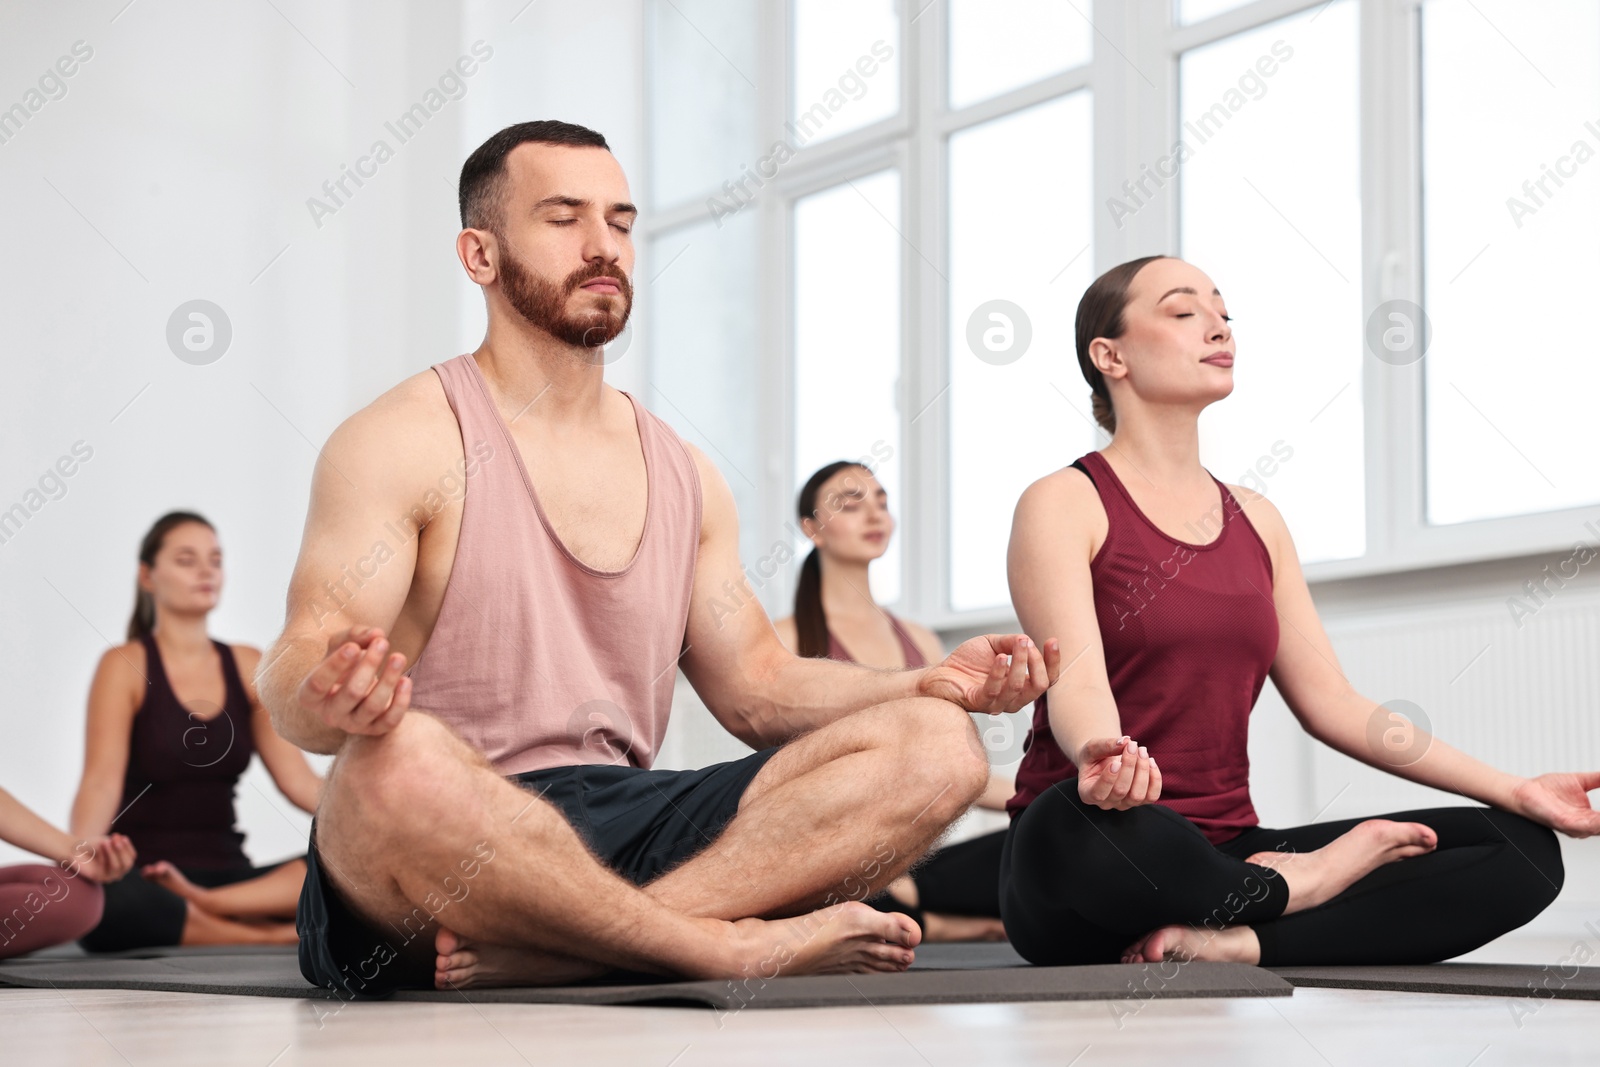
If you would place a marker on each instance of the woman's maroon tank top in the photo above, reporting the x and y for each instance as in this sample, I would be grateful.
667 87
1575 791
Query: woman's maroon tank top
914 656
1189 632
178 795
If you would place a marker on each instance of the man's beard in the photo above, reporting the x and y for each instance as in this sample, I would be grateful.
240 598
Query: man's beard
543 303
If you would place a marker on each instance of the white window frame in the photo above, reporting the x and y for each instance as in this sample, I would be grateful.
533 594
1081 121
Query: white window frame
1133 76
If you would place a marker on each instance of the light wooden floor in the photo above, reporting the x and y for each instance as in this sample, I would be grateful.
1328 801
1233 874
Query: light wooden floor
1314 1027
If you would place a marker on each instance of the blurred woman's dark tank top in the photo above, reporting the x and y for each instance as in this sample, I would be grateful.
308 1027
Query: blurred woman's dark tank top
178 795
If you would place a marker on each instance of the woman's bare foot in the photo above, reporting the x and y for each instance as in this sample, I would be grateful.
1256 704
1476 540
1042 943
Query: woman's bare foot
938 927
275 933
170 878
1231 944
462 964
1317 877
201 927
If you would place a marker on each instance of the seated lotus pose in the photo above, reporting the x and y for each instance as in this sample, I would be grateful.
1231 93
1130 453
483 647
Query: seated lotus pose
1133 836
43 905
173 722
953 892
544 554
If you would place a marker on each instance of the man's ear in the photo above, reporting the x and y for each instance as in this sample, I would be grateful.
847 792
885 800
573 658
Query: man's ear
479 253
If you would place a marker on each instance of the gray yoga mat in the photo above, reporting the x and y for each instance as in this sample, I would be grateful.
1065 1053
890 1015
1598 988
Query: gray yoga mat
971 973
956 974
71 951
1480 979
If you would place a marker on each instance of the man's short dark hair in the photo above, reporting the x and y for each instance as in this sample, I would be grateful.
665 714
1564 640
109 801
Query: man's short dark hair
483 175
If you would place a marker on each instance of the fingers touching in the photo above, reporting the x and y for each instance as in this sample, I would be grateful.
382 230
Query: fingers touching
1119 773
360 686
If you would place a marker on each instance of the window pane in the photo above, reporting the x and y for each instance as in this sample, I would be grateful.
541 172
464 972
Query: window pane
702 100
847 340
1509 250
1021 209
702 325
1271 209
1000 45
1200 10
846 66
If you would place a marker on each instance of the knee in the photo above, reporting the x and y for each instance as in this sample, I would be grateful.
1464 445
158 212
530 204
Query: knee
389 773
943 758
1535 872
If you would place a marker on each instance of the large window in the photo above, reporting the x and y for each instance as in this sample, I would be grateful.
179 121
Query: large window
1271 208
702 104
1511 253
847 339
999 45
700 283
1020 237
1200 10
873 220
846 66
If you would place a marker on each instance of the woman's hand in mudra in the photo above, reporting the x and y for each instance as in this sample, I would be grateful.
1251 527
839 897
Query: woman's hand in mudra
1116 774
1560 801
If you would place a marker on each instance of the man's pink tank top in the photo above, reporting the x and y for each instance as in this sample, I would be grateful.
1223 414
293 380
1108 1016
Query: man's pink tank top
539 660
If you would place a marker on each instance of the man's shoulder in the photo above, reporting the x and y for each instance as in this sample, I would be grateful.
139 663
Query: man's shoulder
419 396
410 421
393 448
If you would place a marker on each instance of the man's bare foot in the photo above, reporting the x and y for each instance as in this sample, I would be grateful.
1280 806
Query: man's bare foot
462 964
848 938
170 878
938 927
1231 944
1317 877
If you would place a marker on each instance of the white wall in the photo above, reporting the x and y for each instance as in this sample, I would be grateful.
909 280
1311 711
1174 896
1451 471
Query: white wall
177 166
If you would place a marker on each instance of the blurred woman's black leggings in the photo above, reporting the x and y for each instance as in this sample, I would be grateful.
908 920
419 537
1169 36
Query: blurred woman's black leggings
1079 884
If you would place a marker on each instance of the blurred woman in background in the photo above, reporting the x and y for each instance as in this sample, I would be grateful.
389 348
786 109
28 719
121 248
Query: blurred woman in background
952 893
173 721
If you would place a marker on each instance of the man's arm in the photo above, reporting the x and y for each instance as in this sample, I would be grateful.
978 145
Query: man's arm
332 671
764 694
287 765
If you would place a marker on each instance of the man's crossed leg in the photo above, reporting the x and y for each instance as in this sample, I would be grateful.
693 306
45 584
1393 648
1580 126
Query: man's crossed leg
482 882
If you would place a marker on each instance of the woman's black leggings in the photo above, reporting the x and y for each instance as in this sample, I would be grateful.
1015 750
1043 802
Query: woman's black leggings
1079 884
142 914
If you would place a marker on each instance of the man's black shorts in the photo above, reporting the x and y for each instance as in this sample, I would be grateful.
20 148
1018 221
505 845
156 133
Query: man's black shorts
639 823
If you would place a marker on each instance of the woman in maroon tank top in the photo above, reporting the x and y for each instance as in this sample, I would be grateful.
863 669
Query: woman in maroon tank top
173 723
1133 836
953 895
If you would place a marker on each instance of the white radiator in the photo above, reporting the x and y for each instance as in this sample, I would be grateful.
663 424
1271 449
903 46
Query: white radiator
1525 699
